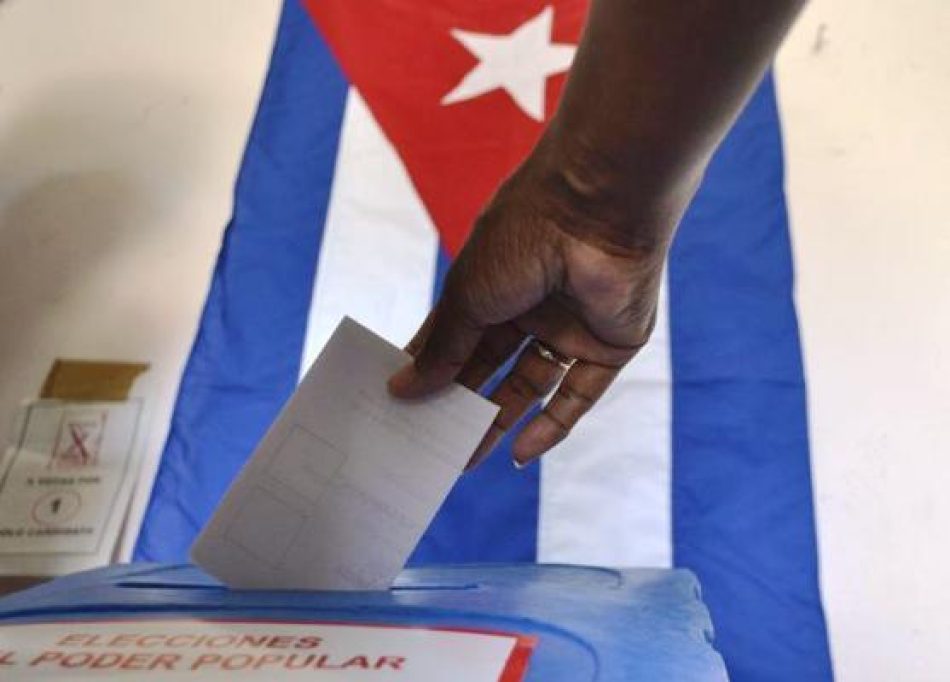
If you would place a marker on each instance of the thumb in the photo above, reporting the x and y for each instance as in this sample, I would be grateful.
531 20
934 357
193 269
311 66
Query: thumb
441 348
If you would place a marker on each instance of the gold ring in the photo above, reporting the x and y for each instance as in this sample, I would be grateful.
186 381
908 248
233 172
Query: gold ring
552 356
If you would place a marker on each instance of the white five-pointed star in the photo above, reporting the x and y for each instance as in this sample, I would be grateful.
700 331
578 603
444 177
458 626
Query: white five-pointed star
519 62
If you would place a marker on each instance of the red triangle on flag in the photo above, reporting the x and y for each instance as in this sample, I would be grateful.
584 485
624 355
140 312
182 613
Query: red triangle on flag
405 58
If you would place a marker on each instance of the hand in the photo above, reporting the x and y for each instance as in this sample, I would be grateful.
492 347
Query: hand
535 271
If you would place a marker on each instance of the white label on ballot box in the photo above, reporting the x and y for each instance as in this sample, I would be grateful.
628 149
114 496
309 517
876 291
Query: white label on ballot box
209 650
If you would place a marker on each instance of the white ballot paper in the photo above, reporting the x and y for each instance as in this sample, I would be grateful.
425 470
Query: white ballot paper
343 485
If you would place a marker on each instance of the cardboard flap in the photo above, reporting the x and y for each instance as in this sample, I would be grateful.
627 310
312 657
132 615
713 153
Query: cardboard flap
80 380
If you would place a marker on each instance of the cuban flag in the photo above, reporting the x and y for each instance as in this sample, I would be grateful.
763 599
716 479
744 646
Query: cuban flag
382 129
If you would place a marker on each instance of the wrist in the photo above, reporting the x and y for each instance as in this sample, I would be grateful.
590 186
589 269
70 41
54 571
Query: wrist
609 194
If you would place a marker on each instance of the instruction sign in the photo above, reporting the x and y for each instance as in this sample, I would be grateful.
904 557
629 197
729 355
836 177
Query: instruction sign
64 484
209 650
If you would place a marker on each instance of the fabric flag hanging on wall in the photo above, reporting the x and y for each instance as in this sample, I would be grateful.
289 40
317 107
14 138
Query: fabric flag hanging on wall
382 129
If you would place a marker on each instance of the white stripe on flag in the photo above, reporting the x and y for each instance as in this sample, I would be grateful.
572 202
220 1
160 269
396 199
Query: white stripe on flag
605 491
378 256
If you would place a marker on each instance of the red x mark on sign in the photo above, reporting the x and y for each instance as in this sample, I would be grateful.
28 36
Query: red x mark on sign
79 439
78 434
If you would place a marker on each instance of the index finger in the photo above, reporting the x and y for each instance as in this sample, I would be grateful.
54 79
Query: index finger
439 356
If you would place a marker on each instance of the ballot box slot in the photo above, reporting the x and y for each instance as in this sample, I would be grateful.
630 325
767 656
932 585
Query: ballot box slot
435 588
157 585
144 585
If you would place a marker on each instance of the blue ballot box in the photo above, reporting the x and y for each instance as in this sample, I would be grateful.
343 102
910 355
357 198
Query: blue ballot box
469 623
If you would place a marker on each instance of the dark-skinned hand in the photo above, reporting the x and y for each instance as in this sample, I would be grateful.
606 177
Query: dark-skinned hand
533 271
564 265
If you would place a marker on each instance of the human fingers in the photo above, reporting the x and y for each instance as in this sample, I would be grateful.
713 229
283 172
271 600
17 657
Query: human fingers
497 345
415 345
564 330
441 352
533 376
581 387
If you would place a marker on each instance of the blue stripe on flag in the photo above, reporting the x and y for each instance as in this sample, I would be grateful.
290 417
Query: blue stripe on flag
246 358
491 513
742 498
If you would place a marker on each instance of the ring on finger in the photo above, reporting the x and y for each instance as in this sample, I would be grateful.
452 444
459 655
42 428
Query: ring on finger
551 355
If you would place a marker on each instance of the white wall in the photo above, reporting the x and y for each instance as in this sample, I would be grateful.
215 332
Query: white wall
121 126
865 93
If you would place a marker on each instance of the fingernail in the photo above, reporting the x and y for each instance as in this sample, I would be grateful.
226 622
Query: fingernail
519 465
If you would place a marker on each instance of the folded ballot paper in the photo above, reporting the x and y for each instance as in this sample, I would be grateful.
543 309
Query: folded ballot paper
347 479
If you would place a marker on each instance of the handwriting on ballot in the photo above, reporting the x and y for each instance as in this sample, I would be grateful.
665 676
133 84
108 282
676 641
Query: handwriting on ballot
166 650
343 485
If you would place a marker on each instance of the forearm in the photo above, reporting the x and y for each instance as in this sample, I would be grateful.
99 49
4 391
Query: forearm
654 87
